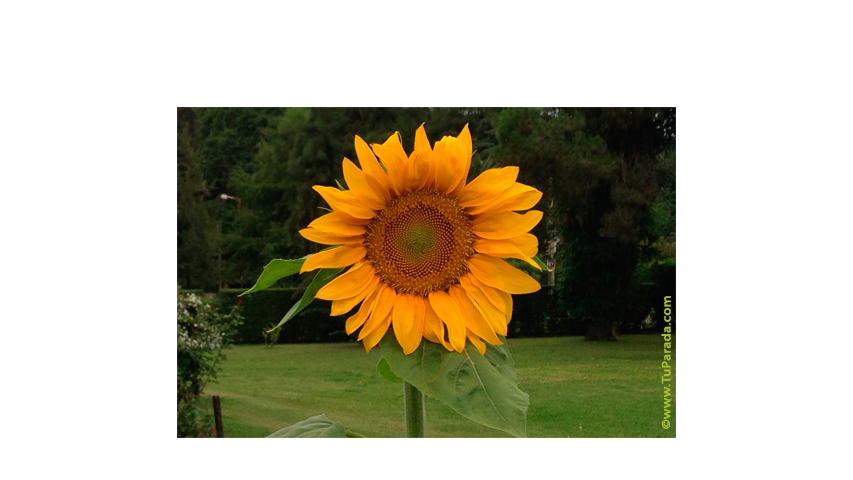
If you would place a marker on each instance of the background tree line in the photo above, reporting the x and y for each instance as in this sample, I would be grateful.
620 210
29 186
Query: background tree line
607 177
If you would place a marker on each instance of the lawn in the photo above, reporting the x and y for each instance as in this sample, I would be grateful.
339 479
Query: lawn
576 388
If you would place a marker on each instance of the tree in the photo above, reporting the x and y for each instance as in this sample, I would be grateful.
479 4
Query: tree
596 168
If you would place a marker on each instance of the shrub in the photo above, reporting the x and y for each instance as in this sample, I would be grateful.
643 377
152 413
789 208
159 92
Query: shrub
202 335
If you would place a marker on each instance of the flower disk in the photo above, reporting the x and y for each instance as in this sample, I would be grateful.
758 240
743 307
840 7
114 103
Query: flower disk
420 242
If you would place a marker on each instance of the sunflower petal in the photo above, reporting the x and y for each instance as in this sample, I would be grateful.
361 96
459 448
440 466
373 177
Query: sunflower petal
357 183
507 298
384 305
371 339
418 171
464 140
342 306
474 320
495 317
450 163
447 310
326 238
491 293
408 321
348 284
364 311
334 258
503 249
433 328
421 140
370 165
517 197
401 319
334 222
488 186
506 225
344 201
381 310
501 275
394 158
477 342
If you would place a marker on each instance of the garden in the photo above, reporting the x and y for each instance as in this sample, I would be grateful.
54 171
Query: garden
458 315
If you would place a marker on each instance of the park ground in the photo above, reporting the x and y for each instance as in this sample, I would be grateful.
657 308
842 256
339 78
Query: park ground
577 389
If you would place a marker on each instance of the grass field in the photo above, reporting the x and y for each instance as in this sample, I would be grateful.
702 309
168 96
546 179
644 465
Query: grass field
576 388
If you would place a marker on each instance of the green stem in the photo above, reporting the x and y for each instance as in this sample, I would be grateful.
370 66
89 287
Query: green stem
414 403
351 434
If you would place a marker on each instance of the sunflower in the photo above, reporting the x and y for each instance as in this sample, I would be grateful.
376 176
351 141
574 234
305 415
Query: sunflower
425 247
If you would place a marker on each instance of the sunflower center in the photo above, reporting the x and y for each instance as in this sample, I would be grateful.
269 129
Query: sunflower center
420 242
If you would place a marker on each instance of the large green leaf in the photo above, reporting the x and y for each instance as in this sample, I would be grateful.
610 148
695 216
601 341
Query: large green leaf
275 271
314 427
324 276
386 372
481 388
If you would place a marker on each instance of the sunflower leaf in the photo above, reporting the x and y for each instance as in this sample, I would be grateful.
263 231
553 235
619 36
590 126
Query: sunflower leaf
482 388
386 372
324 276
315 427
541 263
275 271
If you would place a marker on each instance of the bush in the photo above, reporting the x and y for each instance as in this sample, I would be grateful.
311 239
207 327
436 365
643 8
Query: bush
202 334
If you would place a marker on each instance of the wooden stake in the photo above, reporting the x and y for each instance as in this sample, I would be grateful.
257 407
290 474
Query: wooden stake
217 417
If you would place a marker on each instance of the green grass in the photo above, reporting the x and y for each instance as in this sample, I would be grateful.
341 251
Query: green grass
576 388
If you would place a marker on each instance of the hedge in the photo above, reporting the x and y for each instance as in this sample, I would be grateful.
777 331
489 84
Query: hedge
264 309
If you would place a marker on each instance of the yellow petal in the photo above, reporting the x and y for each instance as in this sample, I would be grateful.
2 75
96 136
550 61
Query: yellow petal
421 140
465 140
364 311
334 258
377 315
447 310
345 217
344 201
342 306
384 304
491 293
488 186
348 284
326 238
334 222
371 339
450 163
478 344
505 225
501 275
408 321
357 183
474 320
418 171
503 249
433 328
507 298
518 197
370 165
394 158
495 317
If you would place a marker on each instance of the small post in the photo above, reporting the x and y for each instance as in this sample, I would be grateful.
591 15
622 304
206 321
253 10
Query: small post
217 417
